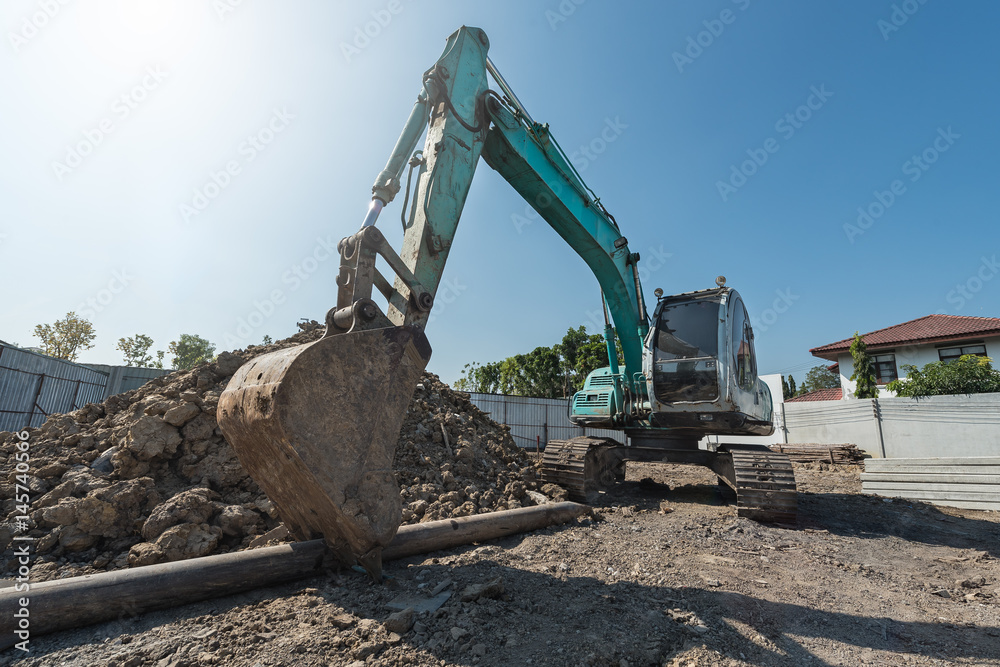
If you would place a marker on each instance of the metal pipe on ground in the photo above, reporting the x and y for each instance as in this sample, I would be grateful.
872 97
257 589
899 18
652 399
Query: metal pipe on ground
63 604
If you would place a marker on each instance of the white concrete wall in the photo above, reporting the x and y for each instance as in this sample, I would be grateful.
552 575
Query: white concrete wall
916 355
833 423
908 427
941 426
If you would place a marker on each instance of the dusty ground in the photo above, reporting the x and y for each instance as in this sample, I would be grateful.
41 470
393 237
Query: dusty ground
860 581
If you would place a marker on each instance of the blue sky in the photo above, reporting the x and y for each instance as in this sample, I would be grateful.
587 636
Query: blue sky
746 137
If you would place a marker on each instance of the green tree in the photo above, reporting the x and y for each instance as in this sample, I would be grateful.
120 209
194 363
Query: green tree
67 337
583 353
267 340
786 392
866 385
190 351
135 350
969 374
159 360
791 386
481 378
549 372
819 377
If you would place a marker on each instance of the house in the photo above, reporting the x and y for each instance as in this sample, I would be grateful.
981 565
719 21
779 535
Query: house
917 343
834 394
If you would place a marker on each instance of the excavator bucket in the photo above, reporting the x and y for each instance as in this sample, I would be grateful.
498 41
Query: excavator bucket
316 427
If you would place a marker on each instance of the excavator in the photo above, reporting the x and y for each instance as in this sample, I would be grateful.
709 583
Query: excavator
316 425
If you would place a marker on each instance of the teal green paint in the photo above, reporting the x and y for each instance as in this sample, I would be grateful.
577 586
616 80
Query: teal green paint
451 153
535 172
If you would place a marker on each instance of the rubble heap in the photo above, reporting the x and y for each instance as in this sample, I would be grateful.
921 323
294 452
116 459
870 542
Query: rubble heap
147 476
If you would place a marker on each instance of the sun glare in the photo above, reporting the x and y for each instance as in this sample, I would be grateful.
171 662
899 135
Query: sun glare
121 32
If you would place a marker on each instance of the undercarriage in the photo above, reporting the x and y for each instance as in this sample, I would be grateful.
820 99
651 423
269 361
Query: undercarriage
763 481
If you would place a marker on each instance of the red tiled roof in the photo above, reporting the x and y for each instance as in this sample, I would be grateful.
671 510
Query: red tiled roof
834 394
929 329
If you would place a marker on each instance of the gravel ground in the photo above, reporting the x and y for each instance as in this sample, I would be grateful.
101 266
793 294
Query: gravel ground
663 574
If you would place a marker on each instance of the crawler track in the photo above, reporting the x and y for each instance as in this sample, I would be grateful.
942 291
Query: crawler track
583 466
764 482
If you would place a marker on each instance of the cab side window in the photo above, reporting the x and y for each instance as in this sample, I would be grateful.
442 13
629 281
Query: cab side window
745 362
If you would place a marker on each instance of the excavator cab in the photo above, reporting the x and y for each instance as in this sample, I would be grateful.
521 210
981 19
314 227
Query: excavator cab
701 368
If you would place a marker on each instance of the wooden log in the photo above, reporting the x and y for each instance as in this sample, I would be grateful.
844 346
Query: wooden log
433 535
62 604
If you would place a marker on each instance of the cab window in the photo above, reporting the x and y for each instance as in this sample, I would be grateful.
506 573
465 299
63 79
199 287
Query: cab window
744 360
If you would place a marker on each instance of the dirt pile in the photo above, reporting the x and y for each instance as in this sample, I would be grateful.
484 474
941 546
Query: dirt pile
147 476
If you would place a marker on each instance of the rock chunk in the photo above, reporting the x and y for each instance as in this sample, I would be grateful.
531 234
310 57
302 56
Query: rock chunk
151 436
182 414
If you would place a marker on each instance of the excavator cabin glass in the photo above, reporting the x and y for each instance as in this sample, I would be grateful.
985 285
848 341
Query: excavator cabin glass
685 366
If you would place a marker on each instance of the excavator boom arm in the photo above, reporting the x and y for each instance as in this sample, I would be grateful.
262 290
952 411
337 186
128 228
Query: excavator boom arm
467 121
540 174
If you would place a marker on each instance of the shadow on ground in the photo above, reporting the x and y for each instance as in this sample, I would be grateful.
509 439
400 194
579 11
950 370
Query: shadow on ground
563 620
914 521
848 515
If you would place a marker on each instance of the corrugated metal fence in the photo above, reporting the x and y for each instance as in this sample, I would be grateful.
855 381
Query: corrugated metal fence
126 378
34 386
535 421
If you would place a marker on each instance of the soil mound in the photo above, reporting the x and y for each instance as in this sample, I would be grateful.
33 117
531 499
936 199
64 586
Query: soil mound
147 476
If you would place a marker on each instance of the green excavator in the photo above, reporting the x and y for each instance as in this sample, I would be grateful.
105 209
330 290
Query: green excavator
316 425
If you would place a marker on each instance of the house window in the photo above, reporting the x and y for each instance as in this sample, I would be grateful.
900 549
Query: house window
885 368
953 353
